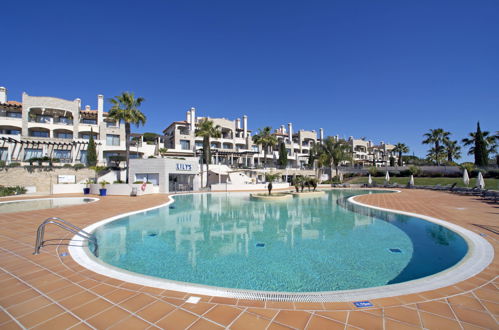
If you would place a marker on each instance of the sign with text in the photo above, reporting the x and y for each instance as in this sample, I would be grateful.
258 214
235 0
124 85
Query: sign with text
363 304
66 178
184 167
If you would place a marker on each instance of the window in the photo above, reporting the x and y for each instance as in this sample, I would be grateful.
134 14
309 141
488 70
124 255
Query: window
32 153
39 134
62 154
148 177
63 135
10 131
65 120
185 144
112 140
214 145
3 153
227 146
255 148
14 114
83 156
43 119
111 124
89 121
199 144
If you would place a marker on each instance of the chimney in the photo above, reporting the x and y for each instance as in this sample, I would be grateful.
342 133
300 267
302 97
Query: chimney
188 117
245 126
290 132
87 107
321 134
78 101
238 123
3 95
193 117
100 108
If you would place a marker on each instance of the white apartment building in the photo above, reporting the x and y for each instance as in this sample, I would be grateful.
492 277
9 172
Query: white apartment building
235 147
41 126
366 153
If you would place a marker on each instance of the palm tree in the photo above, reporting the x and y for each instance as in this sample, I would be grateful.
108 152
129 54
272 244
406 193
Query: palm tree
401 148
453 150
436 137
266 140
207 130
126 108
271 177
336 151
490 142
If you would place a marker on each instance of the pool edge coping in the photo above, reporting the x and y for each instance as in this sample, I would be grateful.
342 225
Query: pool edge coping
480 254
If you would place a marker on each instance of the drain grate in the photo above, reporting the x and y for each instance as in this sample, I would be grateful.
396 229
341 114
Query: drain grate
395 250
152 235
260 244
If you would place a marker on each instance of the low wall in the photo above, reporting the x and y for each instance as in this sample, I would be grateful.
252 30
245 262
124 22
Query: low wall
42 178
247 187
123 189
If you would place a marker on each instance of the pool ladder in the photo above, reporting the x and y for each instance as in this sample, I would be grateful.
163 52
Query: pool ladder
66 225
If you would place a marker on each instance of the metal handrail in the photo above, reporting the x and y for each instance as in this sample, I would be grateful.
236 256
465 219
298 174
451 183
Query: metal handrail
40 233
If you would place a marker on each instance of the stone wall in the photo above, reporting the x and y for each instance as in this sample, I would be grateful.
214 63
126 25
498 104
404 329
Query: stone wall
42 177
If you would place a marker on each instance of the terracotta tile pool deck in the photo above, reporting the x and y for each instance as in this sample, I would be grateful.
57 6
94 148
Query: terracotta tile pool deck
50 291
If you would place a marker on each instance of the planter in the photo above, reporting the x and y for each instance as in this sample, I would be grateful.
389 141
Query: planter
273 197
317 193
86 191
102 192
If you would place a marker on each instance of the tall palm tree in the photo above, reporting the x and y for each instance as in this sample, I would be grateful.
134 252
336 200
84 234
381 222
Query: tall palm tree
436 137
207 130
490 142
266 140
336 151
453 150
401 148
126 108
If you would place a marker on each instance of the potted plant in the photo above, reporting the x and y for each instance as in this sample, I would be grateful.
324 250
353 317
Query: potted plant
87 183
103 190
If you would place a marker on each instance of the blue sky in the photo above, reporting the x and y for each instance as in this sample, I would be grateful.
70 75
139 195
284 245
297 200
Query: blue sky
386 70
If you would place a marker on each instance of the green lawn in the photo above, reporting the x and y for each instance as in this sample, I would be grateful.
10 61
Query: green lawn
489 183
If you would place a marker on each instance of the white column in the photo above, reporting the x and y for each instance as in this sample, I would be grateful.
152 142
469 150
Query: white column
245 126
3 95
321 134
100 109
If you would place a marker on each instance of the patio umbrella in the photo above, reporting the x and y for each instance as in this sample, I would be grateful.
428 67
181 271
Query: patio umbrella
341 176
466 178
387 177
369 180
411 181
480 183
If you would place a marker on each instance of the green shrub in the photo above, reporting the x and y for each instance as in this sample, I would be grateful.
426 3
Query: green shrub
405 173
415 170
493 174
78 166
118 181
9 191
2 163
14 164
67 166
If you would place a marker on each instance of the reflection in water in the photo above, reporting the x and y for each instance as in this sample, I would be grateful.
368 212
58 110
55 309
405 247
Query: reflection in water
304 244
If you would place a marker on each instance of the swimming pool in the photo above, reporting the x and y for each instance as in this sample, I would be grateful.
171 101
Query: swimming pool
42 203
308 245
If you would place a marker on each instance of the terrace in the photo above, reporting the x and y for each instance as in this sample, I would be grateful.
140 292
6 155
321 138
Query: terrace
50 290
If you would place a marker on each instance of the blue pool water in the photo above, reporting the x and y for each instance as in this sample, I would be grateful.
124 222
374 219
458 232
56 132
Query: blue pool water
299 245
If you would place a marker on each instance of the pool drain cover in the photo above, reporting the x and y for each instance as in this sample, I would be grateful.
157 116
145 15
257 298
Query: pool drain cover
260 244
152 234
395 250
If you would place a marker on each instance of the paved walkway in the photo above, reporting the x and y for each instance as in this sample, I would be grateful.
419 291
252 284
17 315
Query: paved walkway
49 291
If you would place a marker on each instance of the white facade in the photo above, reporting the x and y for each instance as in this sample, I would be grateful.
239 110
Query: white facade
41 126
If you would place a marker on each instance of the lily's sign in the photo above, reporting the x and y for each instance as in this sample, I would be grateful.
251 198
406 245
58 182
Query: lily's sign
184 167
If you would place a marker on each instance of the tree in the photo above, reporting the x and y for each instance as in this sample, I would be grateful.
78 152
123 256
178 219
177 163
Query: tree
149 137
91 151
481 144
401 148
436 137
283 155
436 156
271 177
336 151
126 108
452 149
266 140
207 130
